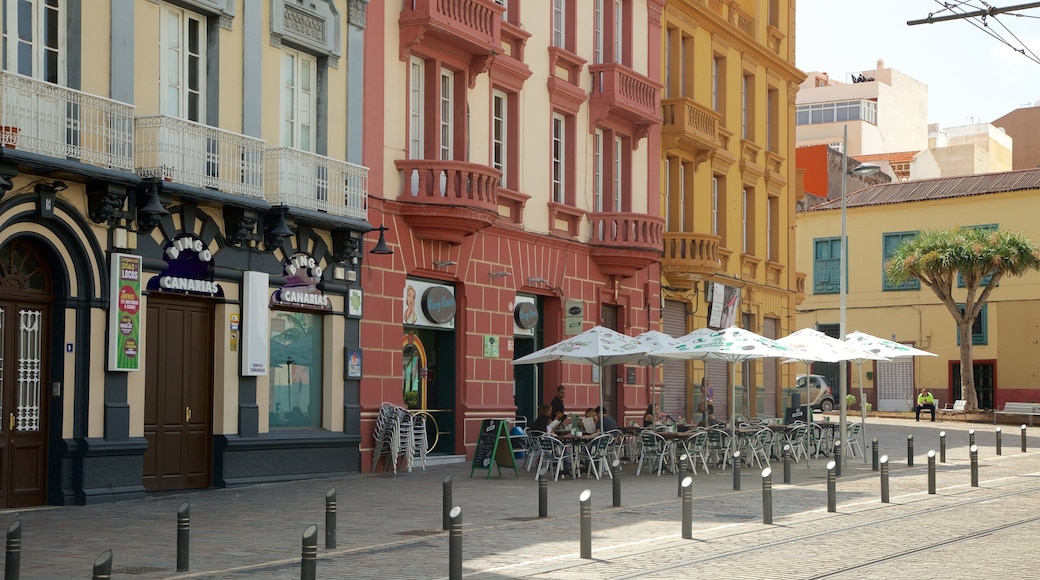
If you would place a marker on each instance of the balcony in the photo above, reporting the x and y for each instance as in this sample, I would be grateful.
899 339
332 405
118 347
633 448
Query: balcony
690 258
690 127
58 122
198 155
471 26
309 181
445 200
623 243
621 94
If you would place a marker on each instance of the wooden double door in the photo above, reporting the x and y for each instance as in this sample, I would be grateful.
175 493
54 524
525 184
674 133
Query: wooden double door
178 394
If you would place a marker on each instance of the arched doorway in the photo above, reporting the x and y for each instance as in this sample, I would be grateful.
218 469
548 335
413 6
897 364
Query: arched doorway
25 312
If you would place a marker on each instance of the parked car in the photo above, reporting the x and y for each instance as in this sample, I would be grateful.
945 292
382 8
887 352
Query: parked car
820 394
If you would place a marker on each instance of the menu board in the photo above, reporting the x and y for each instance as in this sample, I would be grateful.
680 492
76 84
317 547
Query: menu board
493 446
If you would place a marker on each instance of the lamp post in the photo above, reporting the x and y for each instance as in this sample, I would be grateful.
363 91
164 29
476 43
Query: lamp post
862 169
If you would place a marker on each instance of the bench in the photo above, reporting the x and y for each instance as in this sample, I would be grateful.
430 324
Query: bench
958 408
1014 408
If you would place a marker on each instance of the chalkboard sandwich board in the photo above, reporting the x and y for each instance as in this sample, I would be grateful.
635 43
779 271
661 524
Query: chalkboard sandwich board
493 446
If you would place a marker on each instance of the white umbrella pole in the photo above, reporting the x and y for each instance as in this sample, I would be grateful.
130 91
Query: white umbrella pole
808 411
863 413
602 406
732 405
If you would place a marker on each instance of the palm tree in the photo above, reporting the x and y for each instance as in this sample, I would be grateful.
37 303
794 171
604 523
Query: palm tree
977 258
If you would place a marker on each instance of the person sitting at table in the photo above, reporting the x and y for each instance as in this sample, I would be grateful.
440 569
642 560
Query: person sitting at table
651 416
925 400
542 422
608 422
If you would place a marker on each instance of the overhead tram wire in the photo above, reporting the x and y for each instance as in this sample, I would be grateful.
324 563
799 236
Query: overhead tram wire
978 18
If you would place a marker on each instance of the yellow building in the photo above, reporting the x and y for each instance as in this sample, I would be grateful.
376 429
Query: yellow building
878 219
182 204
728 174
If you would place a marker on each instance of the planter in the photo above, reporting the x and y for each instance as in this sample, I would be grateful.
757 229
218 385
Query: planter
9 136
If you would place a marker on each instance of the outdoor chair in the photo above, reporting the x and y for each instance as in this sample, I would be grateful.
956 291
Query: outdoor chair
597 452
532 450
553 455
852 439
654 448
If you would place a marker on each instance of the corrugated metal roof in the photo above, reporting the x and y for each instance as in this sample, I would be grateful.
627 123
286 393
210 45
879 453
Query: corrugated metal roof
938 188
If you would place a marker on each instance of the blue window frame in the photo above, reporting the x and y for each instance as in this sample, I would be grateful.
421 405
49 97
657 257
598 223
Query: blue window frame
889 243
979 330
826 265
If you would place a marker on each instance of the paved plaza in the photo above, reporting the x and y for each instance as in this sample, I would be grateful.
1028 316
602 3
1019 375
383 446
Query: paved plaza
390 526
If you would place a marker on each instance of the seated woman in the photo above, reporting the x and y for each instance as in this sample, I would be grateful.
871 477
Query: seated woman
650 416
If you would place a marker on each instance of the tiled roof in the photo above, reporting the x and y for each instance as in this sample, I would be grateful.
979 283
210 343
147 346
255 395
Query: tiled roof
897 157
938 188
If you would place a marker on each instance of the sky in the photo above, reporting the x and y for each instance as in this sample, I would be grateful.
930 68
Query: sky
971 76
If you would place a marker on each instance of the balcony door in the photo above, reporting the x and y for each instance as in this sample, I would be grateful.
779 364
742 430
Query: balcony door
34 34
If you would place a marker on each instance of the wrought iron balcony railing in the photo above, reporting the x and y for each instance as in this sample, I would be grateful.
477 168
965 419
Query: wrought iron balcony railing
309 181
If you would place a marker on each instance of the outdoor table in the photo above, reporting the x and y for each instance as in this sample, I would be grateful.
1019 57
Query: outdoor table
575 444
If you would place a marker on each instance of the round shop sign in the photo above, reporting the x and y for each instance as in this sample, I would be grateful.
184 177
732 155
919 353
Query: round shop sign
526 315
438 304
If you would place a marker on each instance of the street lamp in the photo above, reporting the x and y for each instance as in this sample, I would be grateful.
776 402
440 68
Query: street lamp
860 170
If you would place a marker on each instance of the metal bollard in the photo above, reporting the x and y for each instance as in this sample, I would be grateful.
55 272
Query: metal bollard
971 437
837 457
615 483
998 442
586 523
832 488
183 536
787 464
681 472
736 471
767 496
330 519
884 479
447 504
687 508
874 451
974 450
1023 438
455 544
910 450
942 446
543 496
931 471
102 566
13 561
309 553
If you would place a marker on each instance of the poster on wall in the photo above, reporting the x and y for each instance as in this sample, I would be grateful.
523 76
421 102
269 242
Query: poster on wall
124 314
354 363
428 304
725 303
256 351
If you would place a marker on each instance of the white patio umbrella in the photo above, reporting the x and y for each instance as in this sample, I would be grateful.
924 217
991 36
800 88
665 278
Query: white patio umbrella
879 346
815 346
597 346
661 347
733 345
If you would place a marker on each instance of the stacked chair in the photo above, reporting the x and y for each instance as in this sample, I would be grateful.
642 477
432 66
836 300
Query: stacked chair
399 438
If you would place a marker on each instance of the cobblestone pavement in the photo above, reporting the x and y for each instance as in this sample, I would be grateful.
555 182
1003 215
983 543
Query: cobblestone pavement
391 525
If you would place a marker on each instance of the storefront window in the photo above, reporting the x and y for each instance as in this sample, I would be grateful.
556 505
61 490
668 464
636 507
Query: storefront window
296 349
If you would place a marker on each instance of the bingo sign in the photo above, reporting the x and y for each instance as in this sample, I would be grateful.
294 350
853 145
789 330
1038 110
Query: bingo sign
124 322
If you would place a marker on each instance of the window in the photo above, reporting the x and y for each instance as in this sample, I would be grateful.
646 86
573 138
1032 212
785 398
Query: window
715 206
296 363
716 80
34 39
817 113
979 328
597 37
597 171
619 173
559 24
826 265
183 70
889 243
619 26
747 107
416 101
299 72
772 228
499 133
447 113
559 152
747 218
773 119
